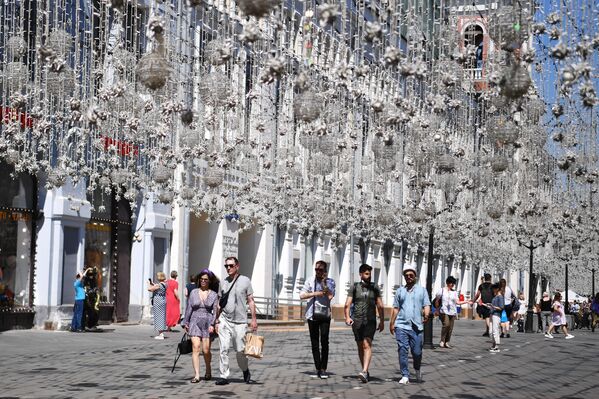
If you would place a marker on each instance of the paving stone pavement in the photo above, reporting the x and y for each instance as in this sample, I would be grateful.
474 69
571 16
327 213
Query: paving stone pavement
125 362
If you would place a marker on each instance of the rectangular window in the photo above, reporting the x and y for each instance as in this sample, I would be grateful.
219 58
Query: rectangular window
98 252
69 263
159 255
15 250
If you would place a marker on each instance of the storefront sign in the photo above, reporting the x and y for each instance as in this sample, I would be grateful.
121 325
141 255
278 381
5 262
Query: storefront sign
123 148
14 216
8 114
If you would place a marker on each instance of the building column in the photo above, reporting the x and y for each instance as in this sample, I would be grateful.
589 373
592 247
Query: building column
286 264
154 221
62 207
394 278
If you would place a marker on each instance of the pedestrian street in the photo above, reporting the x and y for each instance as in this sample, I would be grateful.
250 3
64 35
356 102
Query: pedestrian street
125 362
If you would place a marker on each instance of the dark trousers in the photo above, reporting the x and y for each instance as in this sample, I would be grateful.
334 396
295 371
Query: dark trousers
76 323
319 330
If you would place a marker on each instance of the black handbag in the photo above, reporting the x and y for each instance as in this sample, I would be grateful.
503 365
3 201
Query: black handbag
183 348
320 312
222 302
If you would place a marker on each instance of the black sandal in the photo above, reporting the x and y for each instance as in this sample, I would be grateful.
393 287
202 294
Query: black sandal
208 377
195 380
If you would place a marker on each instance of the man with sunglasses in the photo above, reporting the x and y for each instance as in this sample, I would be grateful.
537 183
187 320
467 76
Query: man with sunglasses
407 322
319 291
231 325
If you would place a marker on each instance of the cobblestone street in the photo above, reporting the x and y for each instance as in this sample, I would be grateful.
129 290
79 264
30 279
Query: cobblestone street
124 361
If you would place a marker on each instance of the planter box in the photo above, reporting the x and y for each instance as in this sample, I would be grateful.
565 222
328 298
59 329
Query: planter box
105 313
16 320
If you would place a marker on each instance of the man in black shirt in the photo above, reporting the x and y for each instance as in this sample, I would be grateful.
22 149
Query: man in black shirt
545 306
485 293
366 298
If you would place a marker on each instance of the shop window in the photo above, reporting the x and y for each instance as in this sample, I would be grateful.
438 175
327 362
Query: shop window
159 255
69 263
15 261
98 253
16 214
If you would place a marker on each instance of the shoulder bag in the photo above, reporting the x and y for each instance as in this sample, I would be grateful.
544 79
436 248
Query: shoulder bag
320 312
222 302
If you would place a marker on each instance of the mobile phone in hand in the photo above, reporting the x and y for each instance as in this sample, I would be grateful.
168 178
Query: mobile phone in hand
150 281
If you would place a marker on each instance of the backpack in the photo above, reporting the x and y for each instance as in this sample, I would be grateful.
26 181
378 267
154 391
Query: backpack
486 292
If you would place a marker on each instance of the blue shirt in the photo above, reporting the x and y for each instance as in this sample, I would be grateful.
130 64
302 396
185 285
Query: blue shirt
79 290
498 301
309 286
410 304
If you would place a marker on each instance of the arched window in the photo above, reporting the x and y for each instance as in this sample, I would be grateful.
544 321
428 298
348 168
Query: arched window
473 36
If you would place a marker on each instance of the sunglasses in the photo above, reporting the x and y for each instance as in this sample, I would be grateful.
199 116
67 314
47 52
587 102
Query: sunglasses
204 279
319 270
409 275
227 266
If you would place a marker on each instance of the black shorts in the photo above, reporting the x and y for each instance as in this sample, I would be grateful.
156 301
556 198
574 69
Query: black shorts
364 329
483 311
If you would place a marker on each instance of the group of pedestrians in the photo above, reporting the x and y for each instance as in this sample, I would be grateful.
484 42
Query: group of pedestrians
220 308
214 308
165 303
87 300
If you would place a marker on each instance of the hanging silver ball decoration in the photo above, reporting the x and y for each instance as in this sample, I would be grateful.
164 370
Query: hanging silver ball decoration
257 8
60 41
56 178
166 196
217 52
214 176
187 193
307 106
501 130
15 76
61 83
162 174
446 164
215 88
499 164
328 221
15 47
153 70
515 81
104 182
494 211
119 177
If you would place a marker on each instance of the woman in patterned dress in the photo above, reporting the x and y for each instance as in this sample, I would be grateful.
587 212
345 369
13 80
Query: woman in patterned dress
159 304
198 322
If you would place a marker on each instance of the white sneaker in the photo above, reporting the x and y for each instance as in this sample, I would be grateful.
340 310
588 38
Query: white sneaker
159 336
418 375
548 335
404 381
569 336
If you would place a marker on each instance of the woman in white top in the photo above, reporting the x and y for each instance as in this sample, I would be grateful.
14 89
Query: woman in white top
508 294
446 301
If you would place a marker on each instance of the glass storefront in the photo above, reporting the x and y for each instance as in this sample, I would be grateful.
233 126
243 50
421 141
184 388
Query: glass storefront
16 218
98 254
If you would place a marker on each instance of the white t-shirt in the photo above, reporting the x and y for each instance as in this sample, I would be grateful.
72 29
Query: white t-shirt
508 296
449 301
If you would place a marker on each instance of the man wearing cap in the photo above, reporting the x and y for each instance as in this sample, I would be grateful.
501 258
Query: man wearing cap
407 322
545 306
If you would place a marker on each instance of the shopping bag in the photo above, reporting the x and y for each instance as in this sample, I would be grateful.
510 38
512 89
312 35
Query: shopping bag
254 344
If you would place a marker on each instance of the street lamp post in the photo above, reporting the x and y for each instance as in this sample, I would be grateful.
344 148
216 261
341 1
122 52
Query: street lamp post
593 282
575 252
428 327
528 327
